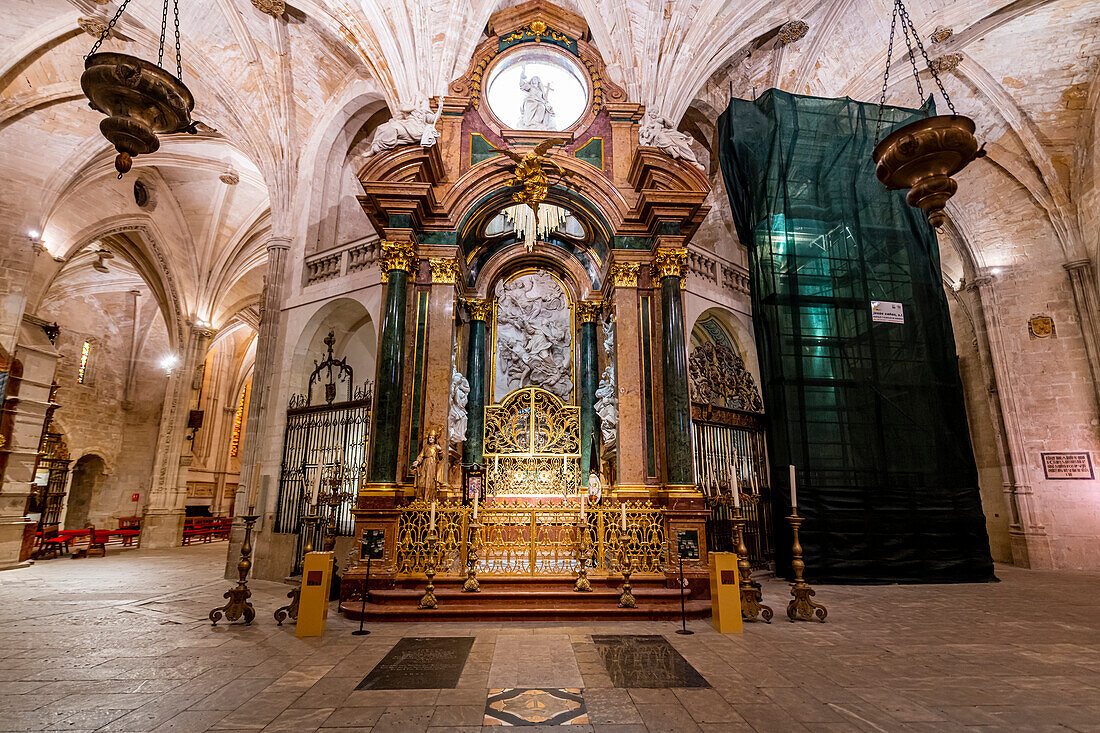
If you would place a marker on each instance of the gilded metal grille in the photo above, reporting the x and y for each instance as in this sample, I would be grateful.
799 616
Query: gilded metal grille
532 445
531 538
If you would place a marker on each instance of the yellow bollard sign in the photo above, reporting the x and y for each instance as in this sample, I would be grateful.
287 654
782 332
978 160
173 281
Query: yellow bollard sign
725 593
313 600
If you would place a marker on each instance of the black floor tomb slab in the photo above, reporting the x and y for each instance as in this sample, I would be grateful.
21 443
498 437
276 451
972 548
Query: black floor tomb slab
420 663
645 661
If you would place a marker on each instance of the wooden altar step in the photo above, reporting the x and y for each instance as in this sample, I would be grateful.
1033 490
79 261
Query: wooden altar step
526 599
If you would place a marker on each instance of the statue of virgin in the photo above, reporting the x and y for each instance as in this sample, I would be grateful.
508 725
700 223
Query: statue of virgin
430 468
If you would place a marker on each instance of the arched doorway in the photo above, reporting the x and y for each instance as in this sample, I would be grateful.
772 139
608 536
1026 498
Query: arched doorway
88 474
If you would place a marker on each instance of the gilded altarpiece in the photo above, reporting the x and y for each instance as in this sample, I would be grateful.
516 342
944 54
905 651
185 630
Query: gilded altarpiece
629 212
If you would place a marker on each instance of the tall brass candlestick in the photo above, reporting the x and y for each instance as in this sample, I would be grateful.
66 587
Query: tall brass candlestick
626 598
238 604
583 585
801 607
751 597
428 600
472 585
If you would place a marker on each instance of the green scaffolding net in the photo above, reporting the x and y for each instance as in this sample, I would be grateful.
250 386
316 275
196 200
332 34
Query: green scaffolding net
860 374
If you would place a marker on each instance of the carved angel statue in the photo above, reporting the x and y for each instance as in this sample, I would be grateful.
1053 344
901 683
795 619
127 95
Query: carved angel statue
460 395
410 125
659 132
536 113
607 398
430 468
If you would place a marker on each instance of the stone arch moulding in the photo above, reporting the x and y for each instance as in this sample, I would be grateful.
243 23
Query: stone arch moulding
327 155
152 265
351 320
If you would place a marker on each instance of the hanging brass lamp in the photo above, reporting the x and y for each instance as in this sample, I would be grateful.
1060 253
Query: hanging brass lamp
141 100
923 155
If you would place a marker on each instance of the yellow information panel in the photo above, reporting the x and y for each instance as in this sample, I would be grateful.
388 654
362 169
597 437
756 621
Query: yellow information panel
725 593
313 601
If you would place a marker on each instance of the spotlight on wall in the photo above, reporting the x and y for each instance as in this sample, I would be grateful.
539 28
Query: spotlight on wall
995 271
34 234
169 362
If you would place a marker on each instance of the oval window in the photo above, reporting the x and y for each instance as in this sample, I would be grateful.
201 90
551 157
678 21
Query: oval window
537 88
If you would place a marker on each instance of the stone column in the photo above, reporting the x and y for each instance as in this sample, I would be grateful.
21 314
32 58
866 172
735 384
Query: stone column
989 375
1030 543
472 449
628 374
163 522
668 266
256 425
398 260
588 313
1082 280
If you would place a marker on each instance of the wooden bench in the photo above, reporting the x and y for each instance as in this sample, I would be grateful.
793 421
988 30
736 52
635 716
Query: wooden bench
51 542
206 529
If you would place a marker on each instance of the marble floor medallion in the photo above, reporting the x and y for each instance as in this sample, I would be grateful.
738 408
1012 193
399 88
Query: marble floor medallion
551 706
418 663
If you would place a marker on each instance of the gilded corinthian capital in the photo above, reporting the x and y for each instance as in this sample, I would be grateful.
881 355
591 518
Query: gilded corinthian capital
589 311
624 274
669 263
397 256
444 270
479 308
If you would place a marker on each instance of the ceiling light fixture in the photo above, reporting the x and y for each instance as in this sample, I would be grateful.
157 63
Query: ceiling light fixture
923 155
141 100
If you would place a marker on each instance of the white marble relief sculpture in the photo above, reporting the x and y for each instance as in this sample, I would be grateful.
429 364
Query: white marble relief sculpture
533 336
536 112
607 397
410 125
456 411
658 132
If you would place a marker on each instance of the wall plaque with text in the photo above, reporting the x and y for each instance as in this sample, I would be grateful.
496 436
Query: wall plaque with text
1074 465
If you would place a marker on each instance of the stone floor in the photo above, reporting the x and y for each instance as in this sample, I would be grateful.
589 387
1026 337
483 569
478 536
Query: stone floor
121 644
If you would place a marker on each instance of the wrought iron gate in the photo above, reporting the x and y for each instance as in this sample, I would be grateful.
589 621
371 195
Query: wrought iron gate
330 438
730 450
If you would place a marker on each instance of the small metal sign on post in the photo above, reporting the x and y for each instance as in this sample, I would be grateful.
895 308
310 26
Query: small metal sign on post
687 546
371 547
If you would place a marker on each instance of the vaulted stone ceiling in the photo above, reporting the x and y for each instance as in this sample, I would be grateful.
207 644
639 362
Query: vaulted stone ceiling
267 91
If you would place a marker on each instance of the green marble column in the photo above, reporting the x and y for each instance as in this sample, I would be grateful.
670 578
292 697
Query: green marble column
398 260
669 265
473 447
589 380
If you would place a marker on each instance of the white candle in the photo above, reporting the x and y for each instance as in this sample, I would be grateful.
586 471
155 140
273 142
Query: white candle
252 489
623 507
735 484
794 502
431 526
475 508
316 488
584 502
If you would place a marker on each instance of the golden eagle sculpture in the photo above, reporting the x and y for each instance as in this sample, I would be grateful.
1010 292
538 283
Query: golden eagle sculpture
530 173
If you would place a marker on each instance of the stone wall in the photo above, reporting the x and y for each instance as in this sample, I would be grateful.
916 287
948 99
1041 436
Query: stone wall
99 416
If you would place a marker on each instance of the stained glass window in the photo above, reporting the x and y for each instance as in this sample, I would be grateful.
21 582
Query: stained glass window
82 372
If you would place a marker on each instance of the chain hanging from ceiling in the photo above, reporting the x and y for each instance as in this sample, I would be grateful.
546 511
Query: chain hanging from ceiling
923 155
141 99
